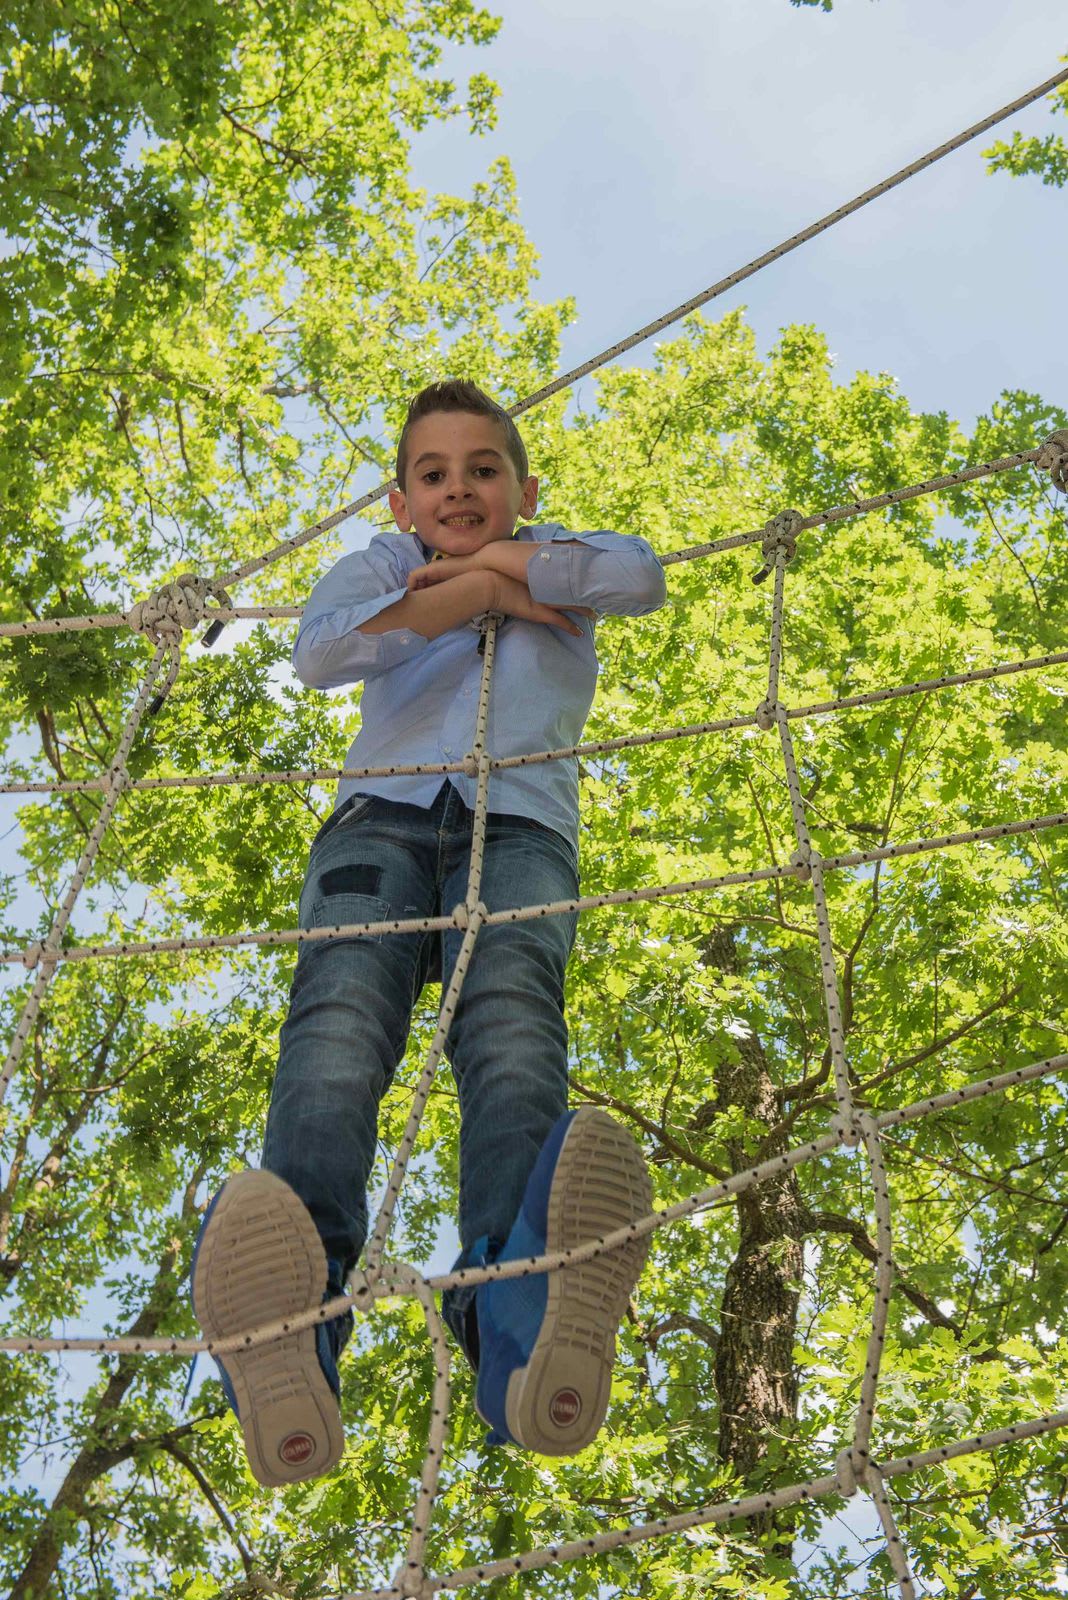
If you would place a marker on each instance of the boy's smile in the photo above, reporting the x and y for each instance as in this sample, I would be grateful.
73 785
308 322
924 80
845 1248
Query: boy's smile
461 490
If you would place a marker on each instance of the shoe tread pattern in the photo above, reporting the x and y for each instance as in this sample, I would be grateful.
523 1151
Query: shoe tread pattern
261 1260
600 1183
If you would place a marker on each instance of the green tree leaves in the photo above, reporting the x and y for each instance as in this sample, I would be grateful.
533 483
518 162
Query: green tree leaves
222 290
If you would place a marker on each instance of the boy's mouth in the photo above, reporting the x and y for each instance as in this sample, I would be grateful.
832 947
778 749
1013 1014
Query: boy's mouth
467 520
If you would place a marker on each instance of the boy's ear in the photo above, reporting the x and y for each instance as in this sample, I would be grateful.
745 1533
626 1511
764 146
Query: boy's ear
399 507
529 503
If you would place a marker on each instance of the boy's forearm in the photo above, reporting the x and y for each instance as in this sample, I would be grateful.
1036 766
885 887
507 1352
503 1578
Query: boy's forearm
432 612
512 557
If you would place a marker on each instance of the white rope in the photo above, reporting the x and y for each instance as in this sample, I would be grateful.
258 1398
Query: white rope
567 379
183 604
390 1277
800 869
1050 455
688 730
1053 458
46 953
860 508
728 1511
175 607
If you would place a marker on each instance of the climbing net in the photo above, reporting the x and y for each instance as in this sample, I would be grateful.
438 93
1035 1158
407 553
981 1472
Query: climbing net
191 600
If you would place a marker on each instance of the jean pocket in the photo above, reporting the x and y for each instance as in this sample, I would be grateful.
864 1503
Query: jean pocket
344 910
349 811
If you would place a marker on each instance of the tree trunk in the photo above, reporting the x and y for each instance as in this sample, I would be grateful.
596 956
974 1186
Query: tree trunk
756 1381
102 1451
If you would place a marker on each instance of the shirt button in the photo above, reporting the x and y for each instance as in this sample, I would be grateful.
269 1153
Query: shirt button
404 638
446 749
545 555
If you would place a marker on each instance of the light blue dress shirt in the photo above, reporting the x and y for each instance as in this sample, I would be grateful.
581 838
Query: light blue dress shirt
420 695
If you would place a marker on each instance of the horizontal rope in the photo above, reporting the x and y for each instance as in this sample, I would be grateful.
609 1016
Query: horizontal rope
728 1511
860 508
687 730
726 880
118 619
391 1277
734 541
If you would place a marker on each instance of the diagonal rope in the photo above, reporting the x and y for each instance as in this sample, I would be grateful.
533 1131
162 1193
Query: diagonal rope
391 1276
728 1511
1049 456
689 730
799 870
182 604
46 953
248 568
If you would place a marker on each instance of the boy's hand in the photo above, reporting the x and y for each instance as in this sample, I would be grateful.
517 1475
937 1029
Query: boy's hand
514 598
508 557
443 569
510 593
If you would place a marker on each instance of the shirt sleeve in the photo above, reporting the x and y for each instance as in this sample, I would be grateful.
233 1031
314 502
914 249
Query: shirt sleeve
329 649
616 574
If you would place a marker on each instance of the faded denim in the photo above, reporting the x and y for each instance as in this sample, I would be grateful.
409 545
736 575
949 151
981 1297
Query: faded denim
350 1013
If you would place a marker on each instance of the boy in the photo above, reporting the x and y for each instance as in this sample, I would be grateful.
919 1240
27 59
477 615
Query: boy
534 1177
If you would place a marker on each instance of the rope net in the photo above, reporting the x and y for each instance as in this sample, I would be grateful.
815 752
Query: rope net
190 601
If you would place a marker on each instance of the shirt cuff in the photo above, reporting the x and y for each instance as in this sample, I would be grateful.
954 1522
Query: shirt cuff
331 651
553 575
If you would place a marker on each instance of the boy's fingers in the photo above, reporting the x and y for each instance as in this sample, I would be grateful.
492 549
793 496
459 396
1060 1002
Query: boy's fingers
436 572
557 619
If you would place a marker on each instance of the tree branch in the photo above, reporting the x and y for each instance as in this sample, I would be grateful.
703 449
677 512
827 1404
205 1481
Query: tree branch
831 1222
95 1460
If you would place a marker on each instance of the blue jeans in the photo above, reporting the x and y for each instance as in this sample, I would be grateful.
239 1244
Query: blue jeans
350 1013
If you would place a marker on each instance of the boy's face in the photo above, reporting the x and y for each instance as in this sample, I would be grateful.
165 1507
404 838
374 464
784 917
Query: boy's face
461 490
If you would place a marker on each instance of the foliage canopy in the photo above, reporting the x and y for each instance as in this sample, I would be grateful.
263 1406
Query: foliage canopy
222 288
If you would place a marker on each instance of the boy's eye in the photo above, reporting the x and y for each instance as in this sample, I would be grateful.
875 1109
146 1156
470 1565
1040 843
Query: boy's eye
435 473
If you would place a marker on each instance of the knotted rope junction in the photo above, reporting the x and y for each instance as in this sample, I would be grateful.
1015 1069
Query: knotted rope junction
183 604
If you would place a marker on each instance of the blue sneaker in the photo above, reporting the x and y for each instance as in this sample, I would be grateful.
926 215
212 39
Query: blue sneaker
548 1341
258 1259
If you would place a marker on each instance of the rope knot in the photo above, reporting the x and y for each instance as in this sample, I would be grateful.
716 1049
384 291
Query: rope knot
780 534
848 1129
845 1472
361 1287
866 1124
411 1584
33 954
801 861
471 765
174 607
765 715
1053 458
117 777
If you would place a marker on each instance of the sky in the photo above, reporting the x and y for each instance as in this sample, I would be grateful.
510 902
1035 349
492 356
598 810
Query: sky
658 147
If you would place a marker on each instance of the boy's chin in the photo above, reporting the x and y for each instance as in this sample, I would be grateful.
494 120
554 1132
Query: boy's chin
461 543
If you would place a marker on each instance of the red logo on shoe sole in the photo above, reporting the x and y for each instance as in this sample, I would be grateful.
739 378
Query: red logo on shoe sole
296 1448
564 1407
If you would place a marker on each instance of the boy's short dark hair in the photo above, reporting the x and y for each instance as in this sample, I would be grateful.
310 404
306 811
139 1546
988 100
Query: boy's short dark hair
457 394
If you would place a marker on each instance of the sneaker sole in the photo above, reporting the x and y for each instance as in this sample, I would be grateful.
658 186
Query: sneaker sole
261 1260
556 1403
